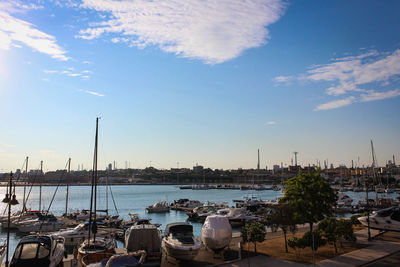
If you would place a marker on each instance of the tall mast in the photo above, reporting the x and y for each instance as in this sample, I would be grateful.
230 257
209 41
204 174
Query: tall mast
68 180
40 186
92 223
26 178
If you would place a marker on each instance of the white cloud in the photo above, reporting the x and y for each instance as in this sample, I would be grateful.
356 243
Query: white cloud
68 71
354 74
213 31
8 145
92 92
14 32
271 123
373 95
45 80
336 104
87 62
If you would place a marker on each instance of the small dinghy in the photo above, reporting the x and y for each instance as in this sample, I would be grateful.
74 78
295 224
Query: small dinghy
216 233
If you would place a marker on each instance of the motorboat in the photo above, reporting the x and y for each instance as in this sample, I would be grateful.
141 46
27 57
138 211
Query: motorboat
191 204
44 223
344 200
38 250
216 233
95 250
179 241
379 190
200 214
145 237
389 190
385 219
18 217
159 207
237 216
75 236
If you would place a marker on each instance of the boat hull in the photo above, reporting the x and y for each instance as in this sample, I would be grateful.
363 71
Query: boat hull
186 254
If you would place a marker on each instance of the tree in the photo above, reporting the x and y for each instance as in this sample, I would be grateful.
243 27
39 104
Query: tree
313 240
334 229
282 217
253 232
311 197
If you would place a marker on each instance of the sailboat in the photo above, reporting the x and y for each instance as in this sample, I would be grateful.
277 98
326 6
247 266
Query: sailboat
95 249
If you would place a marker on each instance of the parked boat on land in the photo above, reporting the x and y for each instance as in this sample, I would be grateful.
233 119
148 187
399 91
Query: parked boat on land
179 241
145 237
216 232
158 207
38 250
386 219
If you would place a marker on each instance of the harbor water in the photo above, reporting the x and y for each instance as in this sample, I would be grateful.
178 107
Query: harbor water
133 199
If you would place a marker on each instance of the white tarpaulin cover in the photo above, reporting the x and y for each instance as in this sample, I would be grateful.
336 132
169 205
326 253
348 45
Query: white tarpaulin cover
216 232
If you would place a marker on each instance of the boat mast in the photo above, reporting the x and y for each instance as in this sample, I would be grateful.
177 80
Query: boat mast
26 173
68 178
92 224
40 186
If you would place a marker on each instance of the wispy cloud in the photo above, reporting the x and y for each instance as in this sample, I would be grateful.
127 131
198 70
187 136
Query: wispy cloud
213 31
373 95
70 71
14 32
352 74
7 145
91 92
271 123
336 104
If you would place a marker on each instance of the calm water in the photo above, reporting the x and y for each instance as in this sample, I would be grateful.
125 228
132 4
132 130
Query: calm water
134 199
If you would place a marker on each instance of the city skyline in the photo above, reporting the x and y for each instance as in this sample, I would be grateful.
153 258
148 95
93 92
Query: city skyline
205 82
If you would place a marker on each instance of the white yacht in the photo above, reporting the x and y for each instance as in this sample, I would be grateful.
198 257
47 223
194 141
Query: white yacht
44 223
179 241
18 217
145 237
75 236
216 233
344 200
237 216
159 207
386 219
38 250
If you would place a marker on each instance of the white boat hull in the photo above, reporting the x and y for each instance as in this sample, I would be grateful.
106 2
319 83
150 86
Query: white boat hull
185 253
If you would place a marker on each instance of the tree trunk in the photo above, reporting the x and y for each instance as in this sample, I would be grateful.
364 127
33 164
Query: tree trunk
334 244
284 234
255 247
311 227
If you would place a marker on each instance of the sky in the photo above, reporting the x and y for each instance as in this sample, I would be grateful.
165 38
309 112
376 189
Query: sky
180 83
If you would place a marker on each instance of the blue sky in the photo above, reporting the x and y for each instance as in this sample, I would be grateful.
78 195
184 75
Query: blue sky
205 82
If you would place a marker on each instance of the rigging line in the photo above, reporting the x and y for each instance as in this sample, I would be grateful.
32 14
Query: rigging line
55 192
115 205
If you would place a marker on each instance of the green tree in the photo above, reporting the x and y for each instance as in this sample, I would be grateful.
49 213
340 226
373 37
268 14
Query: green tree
311 197
282 217
253 232
334 229
313 240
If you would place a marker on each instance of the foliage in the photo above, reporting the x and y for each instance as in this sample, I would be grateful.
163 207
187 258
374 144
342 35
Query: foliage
311 196
354 220
313 242
282 217
253 232
296 244
334 229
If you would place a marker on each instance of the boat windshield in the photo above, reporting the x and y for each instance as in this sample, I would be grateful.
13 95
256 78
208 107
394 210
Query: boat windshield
30 251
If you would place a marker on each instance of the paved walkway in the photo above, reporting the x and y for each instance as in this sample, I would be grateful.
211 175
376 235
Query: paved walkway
376 251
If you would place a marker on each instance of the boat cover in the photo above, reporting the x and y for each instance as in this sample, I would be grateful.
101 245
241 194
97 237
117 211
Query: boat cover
123 261
143 237
216 232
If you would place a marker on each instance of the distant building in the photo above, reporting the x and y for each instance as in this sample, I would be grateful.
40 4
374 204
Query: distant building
110 167
276 168
198 168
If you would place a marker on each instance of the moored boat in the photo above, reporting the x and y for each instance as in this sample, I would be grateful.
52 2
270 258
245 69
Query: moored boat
145 237
179 241
385 219
159 207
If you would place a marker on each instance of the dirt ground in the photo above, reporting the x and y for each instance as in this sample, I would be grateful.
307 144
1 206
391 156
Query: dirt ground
275 247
